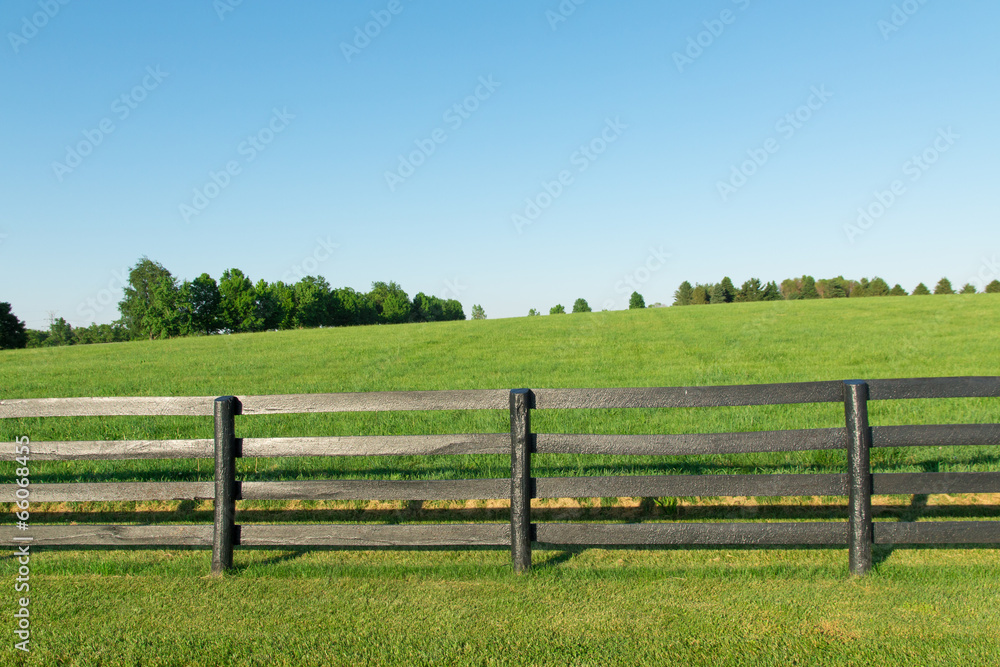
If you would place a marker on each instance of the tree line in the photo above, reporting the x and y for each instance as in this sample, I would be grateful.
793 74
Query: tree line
807 287
156 305
581 306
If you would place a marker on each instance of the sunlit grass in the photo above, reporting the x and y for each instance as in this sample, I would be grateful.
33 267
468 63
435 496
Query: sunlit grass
589 607
584 606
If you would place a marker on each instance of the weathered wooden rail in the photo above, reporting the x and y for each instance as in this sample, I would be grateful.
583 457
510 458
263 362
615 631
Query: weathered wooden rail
858 532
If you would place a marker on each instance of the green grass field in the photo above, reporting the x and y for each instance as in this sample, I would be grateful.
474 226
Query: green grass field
674 606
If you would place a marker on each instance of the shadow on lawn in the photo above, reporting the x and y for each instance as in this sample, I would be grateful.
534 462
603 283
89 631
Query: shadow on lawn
548 465
917 508
648 510
557 559
276 559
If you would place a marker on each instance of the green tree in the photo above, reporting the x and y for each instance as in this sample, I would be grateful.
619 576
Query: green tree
434 309
87 335
897 290
751 290
808 288
532 312
238 303
636 301
12 332
37 338
478 313
832 288
921 290
60 333
944 287
163 318
284 298
453 310
431 309
717 294
968 288
138 312
799 288
701 294
427 308
877 287
200 300
557 310
728 289
100 333
267 305
420 307
355 308
993 287
312 300
682 297
771 292
581 306
391 302
336 308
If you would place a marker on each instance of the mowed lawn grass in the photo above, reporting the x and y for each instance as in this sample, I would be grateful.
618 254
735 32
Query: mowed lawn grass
593 607
586 607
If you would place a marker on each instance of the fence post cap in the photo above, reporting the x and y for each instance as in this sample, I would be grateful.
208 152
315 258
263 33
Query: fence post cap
237 405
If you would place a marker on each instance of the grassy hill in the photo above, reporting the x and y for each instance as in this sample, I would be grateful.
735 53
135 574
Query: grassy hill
722 344
730 344
672 606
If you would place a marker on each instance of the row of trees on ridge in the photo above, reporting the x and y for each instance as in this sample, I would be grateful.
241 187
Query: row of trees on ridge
806 287
156 305
581 306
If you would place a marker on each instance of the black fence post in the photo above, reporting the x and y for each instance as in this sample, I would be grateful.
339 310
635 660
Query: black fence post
859 477
521 402
226 409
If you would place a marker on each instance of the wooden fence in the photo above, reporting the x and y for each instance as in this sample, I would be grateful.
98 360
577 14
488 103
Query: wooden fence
858 533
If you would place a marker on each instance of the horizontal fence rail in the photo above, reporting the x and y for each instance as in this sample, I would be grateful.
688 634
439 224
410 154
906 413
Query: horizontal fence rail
499 443
692 443
858 532
111 491
657 486
469 399
954 387
813 533
382 445
143 406
112 450
117 536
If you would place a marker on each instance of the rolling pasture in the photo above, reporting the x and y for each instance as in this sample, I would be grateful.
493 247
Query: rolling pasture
585 606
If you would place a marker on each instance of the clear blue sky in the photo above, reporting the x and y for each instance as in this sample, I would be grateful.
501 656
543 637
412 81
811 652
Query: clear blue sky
188 88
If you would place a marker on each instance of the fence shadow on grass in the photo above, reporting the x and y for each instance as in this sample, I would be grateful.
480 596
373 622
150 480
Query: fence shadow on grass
647 510
559 556
541 468
285 556
917 508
